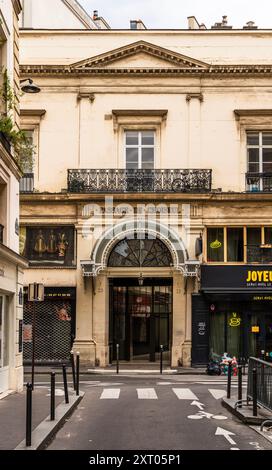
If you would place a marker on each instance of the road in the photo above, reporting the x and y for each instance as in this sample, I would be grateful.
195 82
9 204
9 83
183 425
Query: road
154 413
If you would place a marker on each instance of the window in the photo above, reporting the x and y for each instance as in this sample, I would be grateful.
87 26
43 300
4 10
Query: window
254 239
4 332
235 244
259 152
140 149
215 248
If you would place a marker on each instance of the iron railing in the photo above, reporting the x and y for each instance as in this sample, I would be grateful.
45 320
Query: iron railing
259 254
1 233
264 381
256 182
122 180
27 183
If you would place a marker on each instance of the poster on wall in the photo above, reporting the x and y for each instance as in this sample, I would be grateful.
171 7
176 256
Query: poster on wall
27 333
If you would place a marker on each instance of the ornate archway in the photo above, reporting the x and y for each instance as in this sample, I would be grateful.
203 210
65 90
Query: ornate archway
163 243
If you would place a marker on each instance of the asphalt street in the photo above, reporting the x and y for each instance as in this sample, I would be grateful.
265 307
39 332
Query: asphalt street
154 412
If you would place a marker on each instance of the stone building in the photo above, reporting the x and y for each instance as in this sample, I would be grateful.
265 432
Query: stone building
148 214
11 264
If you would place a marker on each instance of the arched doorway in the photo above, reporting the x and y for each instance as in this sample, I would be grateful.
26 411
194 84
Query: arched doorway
140 307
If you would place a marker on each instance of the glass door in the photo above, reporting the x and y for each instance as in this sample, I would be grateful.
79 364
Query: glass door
268 337
140 309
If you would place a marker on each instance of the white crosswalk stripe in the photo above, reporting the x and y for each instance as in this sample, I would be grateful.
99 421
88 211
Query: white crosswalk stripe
217 393
146 394
110 394
184 394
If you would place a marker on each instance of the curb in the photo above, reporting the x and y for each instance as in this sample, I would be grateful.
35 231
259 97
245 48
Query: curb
244 414
47 428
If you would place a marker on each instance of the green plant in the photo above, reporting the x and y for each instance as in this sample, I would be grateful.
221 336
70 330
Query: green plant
24 149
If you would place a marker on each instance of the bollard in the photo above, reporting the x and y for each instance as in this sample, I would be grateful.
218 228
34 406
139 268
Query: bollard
240 378
229 380
117 358
52 400
254 391
77 372
28 414
65 384
73 368
161 352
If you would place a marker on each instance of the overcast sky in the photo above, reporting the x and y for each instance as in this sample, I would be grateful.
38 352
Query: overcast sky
173 13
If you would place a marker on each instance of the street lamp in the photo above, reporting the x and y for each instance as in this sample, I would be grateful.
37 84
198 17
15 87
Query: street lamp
28 86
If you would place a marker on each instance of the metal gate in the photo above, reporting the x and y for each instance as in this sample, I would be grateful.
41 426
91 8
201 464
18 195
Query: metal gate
53 331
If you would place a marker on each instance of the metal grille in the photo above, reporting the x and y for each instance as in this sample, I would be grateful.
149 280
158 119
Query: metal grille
122 180
53 331
264 381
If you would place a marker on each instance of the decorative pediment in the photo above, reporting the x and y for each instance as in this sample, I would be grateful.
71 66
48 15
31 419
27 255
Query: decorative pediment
140 54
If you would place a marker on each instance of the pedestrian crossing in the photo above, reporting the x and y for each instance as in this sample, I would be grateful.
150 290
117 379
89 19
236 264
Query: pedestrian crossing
151 393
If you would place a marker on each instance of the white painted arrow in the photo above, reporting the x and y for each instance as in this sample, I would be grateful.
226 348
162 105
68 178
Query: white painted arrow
226 434
198 404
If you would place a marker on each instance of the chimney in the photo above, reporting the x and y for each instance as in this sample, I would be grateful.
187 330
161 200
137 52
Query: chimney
137 24
250 25
192 22
223 24
95 14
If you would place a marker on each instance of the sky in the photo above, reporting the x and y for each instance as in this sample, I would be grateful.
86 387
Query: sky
173 14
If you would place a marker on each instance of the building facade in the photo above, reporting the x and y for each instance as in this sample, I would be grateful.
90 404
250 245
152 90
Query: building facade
152 182
11 264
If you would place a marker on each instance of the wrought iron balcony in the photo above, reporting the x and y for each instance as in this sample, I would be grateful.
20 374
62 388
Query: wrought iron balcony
256 182
259 254
27 183
121 180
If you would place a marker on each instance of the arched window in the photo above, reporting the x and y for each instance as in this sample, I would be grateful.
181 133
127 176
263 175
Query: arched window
140 253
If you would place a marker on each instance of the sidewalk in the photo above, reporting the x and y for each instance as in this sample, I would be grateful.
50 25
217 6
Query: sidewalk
13 414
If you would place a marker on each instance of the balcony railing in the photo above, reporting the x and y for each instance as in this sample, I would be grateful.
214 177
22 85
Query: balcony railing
27 183
120 180
256 182
259 254
2 233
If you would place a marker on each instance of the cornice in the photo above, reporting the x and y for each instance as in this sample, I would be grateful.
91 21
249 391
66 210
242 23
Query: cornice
10 162
12 256
212 71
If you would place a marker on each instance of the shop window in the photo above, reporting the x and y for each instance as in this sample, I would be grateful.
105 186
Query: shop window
48 246
217 335
268 236
254 238
215 244
235 244
234 337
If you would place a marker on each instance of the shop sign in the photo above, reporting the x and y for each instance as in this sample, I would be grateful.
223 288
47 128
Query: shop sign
236 277
234 320
201 328
255 329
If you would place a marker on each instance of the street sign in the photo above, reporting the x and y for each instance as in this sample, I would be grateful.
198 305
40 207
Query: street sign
36 292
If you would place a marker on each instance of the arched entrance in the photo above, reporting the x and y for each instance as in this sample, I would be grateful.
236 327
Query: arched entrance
140 308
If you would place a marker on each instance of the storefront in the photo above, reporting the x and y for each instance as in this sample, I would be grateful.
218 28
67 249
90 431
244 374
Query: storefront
55 326
232 313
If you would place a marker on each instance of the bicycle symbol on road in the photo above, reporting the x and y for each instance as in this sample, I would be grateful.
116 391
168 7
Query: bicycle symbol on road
203 414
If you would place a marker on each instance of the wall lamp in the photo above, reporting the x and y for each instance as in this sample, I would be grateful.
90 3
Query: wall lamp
28 86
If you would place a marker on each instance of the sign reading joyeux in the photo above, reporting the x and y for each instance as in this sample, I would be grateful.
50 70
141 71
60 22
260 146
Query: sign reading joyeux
236 277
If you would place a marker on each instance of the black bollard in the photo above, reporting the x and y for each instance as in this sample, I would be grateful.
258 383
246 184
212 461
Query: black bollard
117 358
73 368
28 414
52 397
77 373
229 380
240 378
161 352
65 384
254 391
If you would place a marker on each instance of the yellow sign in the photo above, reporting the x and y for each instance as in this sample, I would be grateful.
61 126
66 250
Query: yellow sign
255 329
215 244
234 320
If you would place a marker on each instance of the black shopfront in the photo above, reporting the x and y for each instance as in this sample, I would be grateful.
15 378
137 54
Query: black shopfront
232 313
